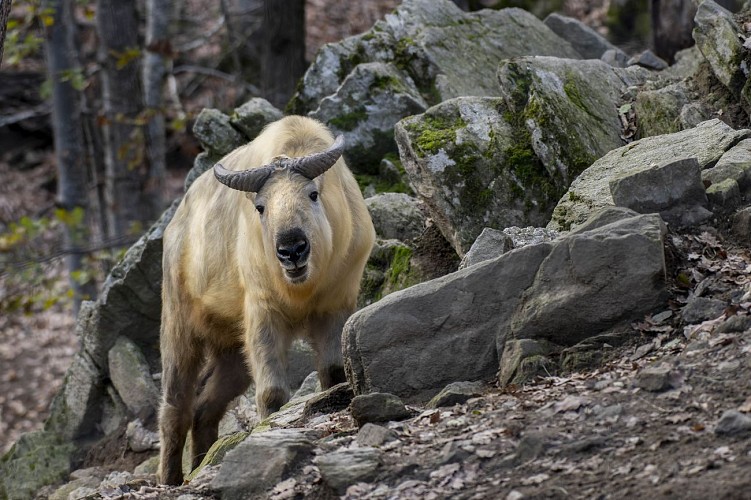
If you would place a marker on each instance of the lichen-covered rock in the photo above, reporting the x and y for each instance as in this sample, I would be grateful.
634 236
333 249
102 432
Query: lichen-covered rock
215 132
204 161
589 192
365 107
252 116
716 35
659 111
438 46
131 377
396 216
523 236
218 450
466 164
516 351
586 41
456 393
725 195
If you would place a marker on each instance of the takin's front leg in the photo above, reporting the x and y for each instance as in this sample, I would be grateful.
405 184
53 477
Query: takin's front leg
325 334
267 343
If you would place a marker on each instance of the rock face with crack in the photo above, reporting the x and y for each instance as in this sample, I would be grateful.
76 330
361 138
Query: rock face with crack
707 143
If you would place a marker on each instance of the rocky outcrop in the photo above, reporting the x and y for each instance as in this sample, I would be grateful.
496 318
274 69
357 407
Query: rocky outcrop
498 162
419 55
706 143
559 292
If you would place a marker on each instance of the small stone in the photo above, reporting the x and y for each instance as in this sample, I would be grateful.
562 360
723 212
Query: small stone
341 469
699 309
615 57
735 324
733 423
456 393
490 244
140 438
524 236
378 407
331 400
649 60
374 435
308 386
658 378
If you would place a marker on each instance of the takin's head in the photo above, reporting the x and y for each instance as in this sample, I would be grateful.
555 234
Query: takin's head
296 232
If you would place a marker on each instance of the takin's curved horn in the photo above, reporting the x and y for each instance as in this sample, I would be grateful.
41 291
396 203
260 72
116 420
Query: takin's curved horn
312 166
250 181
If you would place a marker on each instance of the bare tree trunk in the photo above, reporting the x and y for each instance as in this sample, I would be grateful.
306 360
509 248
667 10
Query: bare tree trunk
129 207
4 13
283 56
155 68
66 123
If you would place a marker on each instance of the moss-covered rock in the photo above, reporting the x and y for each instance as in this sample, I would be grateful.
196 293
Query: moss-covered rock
218 450
569 109
252 116
716 35
215 132
659 111
370 100
38 459
474 168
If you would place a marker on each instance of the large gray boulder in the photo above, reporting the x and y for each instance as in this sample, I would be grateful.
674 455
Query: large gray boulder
561 292
438 46
589 192
131 377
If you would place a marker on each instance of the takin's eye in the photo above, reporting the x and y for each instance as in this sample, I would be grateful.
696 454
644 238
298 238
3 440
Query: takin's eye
314 196
260 209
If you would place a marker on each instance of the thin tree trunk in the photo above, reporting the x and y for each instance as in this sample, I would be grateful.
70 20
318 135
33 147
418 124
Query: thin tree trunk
66 124
283 56
4 14
155 69
129 208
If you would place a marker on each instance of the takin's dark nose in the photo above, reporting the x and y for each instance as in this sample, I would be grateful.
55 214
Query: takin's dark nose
292 248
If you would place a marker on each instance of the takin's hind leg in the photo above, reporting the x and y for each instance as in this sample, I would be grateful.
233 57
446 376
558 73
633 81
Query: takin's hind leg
179 375
325 333
228 378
